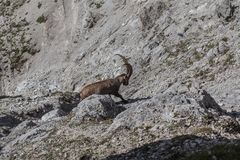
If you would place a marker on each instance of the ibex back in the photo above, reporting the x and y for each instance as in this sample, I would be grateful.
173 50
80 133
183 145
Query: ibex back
109 86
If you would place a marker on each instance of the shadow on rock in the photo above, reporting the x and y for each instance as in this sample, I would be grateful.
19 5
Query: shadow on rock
9 120
208 102
6 123
134 100
184 147
69 100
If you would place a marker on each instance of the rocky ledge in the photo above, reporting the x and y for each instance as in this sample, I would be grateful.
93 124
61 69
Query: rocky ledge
166 126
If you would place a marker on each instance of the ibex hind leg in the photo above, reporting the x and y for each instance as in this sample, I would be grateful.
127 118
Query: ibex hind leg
120 96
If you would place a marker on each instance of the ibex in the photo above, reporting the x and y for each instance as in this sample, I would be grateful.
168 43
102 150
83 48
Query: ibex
109 86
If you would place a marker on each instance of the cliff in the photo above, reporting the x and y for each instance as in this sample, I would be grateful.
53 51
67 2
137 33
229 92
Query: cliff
183 95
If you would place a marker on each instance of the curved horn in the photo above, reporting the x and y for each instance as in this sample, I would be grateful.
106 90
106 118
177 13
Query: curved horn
128 66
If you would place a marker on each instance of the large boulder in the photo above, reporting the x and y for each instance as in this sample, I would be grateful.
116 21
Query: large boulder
175 111
161 110
97 108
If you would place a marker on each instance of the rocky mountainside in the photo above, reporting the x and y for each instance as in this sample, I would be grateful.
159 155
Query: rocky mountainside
183 96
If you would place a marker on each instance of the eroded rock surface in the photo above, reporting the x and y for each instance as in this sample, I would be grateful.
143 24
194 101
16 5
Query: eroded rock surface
183 95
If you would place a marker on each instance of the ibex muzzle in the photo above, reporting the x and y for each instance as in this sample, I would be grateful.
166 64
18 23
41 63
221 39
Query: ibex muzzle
109 86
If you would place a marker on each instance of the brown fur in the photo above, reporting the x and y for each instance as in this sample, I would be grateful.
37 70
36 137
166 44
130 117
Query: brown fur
108 86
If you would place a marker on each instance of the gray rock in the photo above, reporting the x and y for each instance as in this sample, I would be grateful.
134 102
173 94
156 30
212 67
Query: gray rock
36 134
95 108
162 109
22 128
53 115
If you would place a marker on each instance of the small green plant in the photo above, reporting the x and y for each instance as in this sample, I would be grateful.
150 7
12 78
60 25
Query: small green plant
188 62
97 3
169 62
229 60
198 56
41 19
206 130
202 74
182 46
225 39
182 138
211 77
210 46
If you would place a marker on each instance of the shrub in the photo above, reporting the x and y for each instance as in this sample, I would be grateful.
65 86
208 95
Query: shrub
41 19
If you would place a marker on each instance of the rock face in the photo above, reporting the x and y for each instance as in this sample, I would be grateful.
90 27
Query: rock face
183 95
95 108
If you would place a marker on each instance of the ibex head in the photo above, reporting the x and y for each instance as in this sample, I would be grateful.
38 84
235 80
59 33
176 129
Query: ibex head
125 77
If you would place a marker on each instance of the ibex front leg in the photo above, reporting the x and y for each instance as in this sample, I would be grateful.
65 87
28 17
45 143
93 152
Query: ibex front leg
120 96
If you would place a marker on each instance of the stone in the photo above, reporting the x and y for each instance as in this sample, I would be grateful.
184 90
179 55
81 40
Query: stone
95 108
53 115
